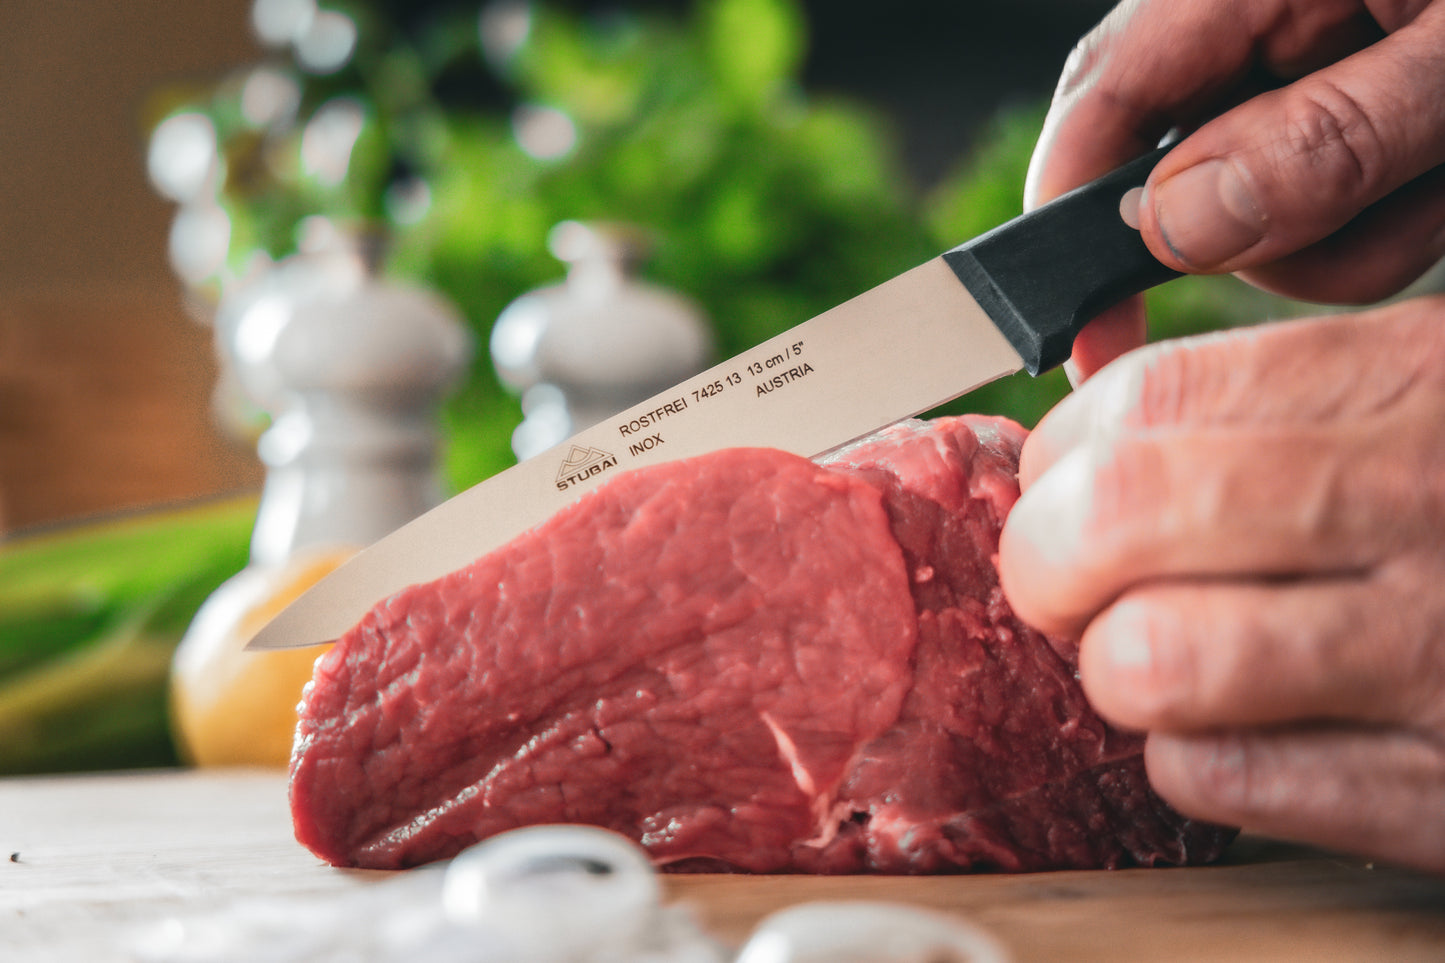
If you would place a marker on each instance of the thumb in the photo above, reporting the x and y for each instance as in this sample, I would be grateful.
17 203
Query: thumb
1292 166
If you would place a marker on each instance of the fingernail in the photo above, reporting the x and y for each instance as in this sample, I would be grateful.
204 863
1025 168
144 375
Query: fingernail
1219 764
1050 515
1072 372
1127 644
1129 206
1208 214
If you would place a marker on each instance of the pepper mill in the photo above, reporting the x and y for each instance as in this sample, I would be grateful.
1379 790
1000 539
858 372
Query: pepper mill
597 343
352 369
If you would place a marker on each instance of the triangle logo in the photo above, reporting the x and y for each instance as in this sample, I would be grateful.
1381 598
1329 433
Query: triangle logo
583 463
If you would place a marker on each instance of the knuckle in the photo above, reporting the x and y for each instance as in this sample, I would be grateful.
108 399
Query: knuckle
1343 149
1085 65
1422 337
1169 694
1197 381
1169 380
1079 68
1394 353
1407 356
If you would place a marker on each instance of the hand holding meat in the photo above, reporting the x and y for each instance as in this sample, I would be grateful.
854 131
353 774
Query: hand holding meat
1248 533
1316 135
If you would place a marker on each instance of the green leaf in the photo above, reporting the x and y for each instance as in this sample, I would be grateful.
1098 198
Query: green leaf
119 560
988 187
89 619
754 47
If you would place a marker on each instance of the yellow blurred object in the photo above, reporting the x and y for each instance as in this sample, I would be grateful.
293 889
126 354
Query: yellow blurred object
230 707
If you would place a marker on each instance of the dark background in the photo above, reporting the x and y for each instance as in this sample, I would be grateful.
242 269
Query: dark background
940 69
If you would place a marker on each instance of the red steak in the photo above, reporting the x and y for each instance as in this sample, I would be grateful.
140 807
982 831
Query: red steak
745 661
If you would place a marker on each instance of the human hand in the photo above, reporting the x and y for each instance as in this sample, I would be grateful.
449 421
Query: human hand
1247 533
1328 188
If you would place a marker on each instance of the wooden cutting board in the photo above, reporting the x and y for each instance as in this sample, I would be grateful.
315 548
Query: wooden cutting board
93 858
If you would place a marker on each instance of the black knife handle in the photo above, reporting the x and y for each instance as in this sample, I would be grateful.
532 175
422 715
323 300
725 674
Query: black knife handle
1045 274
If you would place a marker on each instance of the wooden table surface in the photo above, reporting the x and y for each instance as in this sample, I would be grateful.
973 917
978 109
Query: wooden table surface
93 858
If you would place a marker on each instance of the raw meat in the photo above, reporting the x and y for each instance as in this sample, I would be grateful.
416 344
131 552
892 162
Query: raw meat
747 661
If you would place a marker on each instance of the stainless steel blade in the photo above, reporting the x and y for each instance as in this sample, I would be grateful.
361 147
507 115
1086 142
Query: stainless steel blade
902 348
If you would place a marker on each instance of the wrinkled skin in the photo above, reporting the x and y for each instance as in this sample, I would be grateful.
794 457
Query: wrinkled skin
1247 530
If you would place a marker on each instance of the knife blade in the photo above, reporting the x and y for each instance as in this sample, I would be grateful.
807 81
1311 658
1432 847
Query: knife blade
1011 299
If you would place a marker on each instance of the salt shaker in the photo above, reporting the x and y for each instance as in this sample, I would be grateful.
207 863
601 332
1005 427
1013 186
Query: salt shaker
596 343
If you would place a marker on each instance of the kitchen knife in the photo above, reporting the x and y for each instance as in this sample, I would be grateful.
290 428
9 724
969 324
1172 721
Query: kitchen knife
1011 299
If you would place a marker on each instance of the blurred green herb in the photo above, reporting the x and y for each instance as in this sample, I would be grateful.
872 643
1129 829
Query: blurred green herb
89 619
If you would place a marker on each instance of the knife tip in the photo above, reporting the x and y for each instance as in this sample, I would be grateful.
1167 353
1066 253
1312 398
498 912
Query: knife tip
275 634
